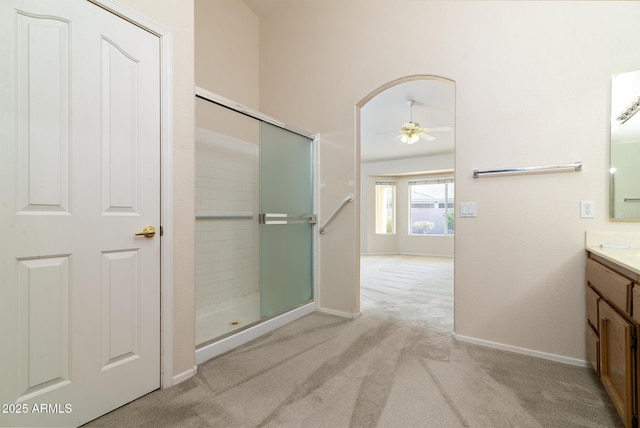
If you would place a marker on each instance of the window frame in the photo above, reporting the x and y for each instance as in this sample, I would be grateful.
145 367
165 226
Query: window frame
448 201
379 210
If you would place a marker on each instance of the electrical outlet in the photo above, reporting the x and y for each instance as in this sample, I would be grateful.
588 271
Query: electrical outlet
586 209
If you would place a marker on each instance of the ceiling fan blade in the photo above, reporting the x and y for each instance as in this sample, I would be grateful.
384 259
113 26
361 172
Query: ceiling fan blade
382 133
438 128
426 136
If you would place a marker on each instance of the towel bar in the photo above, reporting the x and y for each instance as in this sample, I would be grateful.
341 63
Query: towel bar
576 166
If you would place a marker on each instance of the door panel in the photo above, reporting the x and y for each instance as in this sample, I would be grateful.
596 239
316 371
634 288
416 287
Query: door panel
43 82
120 314
119 128
43 306
79 162
286 235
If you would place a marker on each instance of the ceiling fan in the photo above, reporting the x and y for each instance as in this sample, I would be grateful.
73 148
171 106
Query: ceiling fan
412 131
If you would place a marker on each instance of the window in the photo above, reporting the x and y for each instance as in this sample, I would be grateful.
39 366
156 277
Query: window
431 207
386 207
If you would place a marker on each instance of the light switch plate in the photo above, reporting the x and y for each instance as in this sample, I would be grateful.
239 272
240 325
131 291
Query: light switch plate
468 209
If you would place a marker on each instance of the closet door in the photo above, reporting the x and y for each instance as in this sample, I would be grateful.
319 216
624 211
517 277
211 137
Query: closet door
79 177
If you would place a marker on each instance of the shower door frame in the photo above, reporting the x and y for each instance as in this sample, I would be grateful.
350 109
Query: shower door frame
265 326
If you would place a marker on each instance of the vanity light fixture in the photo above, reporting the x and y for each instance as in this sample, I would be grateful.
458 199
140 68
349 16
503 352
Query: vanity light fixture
628 113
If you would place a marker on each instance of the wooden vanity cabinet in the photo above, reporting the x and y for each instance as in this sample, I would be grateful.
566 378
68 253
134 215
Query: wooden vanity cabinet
611 333
616 360
593 336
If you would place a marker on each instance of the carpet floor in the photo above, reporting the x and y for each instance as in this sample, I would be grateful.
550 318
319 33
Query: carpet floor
383 369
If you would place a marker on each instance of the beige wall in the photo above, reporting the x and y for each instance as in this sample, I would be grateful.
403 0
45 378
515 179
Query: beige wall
177 16
532 87
226 34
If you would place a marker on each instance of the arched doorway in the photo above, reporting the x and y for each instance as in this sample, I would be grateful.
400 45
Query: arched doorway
406 201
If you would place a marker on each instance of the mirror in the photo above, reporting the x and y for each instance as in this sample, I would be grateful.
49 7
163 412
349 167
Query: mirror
625 146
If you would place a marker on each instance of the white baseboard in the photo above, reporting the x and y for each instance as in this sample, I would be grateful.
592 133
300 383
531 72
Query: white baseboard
185 375
524 351
228 343
447 256
339 313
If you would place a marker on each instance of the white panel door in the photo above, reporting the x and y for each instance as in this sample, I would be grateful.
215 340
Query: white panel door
79 176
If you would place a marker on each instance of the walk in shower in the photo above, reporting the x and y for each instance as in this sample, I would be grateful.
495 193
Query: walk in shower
254 219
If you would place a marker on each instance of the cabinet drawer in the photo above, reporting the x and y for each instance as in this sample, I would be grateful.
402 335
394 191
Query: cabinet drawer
592 307
613 287
593 349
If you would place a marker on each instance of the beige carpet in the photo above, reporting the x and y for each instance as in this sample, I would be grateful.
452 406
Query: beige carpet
415 290
375 371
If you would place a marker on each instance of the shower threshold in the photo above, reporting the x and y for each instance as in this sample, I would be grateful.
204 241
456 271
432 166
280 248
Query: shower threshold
229 341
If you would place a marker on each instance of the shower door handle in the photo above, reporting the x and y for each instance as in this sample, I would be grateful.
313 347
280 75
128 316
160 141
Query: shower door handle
280 218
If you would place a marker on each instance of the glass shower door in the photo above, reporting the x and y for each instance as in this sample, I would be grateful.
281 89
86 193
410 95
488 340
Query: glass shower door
286 220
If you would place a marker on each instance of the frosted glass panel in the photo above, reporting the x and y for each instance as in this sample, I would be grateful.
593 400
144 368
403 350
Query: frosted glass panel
285 171
285 249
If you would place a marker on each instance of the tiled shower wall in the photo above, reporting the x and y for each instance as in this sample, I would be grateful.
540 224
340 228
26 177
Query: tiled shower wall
227 264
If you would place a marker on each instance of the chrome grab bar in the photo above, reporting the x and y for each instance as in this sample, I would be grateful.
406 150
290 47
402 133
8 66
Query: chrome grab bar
576 166
345 201
223 215
632 199
279 218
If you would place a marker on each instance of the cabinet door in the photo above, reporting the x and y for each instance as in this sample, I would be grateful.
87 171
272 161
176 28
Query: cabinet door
592 308
593 348
616 360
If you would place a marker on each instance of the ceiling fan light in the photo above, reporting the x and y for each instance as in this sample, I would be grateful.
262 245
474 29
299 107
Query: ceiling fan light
409 138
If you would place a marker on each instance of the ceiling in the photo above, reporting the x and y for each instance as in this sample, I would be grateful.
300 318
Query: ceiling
262 7
383 116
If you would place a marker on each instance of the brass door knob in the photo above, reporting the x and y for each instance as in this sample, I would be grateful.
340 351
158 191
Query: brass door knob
147 232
